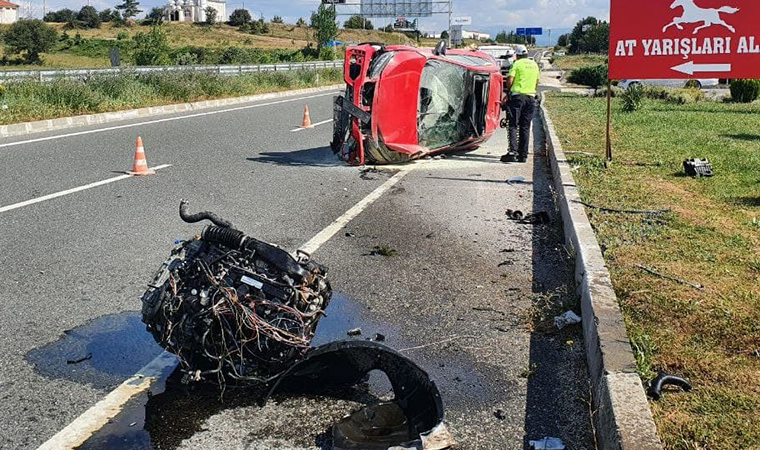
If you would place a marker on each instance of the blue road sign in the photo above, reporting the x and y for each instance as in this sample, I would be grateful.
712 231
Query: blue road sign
522 32
534 31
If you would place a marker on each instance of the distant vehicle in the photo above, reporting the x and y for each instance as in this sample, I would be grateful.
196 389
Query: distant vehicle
696 83
403 103
503 54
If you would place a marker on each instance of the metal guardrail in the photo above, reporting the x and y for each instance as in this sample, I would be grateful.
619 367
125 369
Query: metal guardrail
227 70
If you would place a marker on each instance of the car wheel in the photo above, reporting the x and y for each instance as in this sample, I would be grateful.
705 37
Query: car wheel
693 84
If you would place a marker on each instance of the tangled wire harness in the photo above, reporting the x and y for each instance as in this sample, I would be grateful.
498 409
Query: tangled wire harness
232 307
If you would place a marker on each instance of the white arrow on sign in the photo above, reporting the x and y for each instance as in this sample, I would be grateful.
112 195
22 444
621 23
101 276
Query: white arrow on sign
690 68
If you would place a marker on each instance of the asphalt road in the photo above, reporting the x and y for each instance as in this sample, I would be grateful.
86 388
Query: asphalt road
476 290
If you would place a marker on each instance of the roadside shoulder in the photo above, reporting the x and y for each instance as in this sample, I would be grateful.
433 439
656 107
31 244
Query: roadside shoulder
623 419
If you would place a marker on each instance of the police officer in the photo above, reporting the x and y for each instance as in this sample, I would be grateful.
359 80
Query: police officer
522 86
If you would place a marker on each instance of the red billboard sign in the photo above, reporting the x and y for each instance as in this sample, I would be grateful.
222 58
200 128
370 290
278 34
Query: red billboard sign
684 39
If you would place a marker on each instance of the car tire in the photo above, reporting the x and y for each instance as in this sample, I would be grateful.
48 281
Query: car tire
693 84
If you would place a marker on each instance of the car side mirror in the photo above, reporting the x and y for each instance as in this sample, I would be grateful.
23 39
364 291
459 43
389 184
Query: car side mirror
440 49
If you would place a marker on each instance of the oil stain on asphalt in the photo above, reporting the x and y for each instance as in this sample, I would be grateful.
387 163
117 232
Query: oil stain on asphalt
171 411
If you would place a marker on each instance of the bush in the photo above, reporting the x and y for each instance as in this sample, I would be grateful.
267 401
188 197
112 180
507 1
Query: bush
633 98
240 17
277 19
616 92
151 49
745 91
592 76
186 59
64 15
30 37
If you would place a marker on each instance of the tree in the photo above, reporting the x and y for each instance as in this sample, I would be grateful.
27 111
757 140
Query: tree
108 15
323 21
589 36
210 15
155 16
152 48
240 17
61 16
88 17
277 19
358 23
563 40
301 22
129 9
30 36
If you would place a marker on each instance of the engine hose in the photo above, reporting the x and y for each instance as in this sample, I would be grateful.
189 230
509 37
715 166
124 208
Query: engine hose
229 237
662 379
204 215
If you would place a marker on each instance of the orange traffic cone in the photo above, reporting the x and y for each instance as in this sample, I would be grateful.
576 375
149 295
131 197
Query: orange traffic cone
306 118
141 164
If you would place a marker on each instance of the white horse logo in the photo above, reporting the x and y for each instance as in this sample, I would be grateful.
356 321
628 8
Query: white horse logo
693 14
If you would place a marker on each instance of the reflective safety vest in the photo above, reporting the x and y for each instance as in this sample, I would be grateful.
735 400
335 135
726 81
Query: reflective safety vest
526 73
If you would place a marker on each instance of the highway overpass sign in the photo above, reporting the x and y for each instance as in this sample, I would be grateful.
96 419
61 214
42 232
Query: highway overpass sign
656 39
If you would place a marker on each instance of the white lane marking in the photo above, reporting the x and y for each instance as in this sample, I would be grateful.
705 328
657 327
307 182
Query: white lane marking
95 418
167 119
325 235
78 431
72 190
295 130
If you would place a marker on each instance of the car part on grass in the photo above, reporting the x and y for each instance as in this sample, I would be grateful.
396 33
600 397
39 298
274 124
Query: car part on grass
403 103
230 306
413 418
666 379
698 168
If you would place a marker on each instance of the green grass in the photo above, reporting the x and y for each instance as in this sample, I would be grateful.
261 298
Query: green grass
570 62
31 100
712 237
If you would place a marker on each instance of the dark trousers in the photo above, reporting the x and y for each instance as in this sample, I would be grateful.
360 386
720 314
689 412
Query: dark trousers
520 110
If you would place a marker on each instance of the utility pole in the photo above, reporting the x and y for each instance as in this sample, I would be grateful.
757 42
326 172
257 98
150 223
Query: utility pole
451 11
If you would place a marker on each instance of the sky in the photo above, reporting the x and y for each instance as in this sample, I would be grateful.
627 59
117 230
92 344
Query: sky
487 15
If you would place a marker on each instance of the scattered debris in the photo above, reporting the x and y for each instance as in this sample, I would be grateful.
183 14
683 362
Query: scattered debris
698 168
518 179
383 250
378 337
665 379
568 318
507 250
354 332
668 277
508 262
499 414
627 211
229 305
515 214
80 360
548 443
538 218
430 235
350 234
413 417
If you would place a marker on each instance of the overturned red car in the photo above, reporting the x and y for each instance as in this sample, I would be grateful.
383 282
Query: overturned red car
403 103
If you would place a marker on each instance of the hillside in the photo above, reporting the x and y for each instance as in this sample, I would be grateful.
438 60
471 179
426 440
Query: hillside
281 37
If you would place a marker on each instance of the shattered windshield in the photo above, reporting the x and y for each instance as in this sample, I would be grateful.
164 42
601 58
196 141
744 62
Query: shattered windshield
442 105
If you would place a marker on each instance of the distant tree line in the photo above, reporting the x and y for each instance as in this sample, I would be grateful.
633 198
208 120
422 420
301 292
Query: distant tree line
590 35
89 17
512 38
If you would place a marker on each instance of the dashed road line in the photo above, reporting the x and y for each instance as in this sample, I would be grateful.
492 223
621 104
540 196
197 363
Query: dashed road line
73 190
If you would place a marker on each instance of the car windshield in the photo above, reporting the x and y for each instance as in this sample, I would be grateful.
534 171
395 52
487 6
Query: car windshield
442 105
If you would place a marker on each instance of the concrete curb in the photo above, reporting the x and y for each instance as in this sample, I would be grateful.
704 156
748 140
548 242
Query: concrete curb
20 129
622 417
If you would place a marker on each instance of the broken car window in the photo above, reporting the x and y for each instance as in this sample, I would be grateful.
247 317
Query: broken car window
441 107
